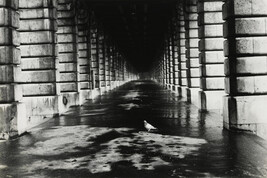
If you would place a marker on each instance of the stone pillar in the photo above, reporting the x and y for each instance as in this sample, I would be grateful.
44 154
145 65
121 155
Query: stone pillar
39 60
112 70
183 84
170 58
164 69
192 53
68 53
84 55
115 63
101 61
107 64
94 56
211 54
176 53
12 111
167 64
245 67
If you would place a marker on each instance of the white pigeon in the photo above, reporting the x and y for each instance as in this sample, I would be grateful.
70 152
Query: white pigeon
149 126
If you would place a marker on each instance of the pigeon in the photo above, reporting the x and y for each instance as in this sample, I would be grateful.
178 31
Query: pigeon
149 126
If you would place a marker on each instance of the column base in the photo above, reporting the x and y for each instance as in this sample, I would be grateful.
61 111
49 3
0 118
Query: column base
246 113
84 95
66 100
192 95
12 120
210 100
184 91
39 109
95 93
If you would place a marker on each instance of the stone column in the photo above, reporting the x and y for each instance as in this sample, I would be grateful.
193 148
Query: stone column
167 63
68 53
94 56
107 64
211 56
192 53
12 111
84 55
112 71
170 58
39 60
101 61
246 65
183 84
176 53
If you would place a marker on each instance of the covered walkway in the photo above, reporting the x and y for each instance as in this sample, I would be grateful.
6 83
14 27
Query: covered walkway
106 138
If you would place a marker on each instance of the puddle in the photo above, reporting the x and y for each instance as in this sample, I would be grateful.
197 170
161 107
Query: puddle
129 106
142 150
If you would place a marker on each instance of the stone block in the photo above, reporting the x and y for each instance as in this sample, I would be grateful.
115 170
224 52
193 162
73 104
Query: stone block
215 83
191 43
38 63
39 89
252 84
251 45
84 61
251 65
211 18
250 7
14 4
210 6
37 37
40 106
251 26
9 73
38 76
68 87
68 67
9 36
68 77
212 70
84 77
194 82
212 57
211 44
37 25
67 47
64 38
83 54
194 72
40 50
210 31
34 4
10 93
9 18
211 100
65 22
67 57
9 55
42 13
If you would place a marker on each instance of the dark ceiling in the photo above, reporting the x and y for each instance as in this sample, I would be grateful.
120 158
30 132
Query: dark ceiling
136 26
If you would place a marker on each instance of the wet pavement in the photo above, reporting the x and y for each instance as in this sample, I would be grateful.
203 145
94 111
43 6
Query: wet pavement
106 138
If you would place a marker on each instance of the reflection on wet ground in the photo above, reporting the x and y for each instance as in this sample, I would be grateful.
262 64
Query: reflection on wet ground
106 138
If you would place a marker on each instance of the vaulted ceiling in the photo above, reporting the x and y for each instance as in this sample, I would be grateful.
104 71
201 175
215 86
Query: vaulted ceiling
137 27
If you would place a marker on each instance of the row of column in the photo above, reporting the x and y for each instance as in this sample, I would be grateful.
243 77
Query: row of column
217 53
54 55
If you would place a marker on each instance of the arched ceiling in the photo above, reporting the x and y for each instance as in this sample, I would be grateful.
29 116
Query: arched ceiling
136 26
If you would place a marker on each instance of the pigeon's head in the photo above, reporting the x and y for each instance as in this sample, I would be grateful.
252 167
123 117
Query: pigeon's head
145 121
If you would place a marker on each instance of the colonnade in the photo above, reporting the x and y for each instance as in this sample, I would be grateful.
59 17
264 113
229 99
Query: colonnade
217 51
53 54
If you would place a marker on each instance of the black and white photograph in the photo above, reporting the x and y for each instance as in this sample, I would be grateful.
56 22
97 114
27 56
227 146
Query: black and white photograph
133 88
